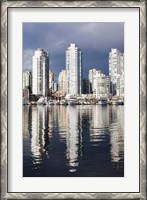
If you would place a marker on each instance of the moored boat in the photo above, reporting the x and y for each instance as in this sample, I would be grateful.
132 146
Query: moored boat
63 102
42 101
114 103
33 103
102 102
120 102
72 101
56 102
50 102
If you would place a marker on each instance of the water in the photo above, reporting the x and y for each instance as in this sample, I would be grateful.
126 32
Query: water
73 141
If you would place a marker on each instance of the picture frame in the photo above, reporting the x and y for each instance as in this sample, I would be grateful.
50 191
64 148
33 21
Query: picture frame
5 107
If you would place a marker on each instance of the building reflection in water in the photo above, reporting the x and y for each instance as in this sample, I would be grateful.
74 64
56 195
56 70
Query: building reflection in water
73 137
50 121
62 122
26 118
116 115
40 139
100 124
108 123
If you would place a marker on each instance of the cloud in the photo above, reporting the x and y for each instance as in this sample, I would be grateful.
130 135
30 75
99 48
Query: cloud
27 59
94 39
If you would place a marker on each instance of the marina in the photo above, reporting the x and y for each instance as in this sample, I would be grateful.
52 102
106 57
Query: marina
72 101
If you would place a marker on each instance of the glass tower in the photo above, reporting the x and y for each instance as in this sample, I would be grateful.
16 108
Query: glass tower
40 73
74 70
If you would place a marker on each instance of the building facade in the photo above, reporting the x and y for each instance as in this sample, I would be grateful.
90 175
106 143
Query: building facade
116 72
27 80
62 83
74 70
40 73
51 82
55 87
101 85
91 75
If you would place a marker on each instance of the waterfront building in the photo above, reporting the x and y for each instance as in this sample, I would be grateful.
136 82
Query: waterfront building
120 92
62 83
74 70
91 78
55 87
26 93
27 80
116 72
100 85
26 96
40 73
51 82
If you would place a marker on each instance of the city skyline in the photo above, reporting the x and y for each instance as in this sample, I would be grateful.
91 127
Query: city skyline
71 83
94 39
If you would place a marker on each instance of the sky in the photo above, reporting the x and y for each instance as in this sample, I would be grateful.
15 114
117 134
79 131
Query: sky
94 39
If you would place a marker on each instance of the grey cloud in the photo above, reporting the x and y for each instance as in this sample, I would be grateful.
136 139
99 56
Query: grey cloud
94 39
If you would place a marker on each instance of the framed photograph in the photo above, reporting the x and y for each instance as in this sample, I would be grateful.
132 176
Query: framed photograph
73 96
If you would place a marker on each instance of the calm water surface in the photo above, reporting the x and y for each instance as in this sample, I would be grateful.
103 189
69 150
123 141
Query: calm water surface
73 141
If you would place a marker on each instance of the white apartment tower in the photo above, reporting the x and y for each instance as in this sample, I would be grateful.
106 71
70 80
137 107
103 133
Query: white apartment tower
100 85
40 73
116 72
74 70
62 86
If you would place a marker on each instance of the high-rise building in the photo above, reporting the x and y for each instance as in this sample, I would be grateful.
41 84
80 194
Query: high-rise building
116 72
27 80
91 75
62 85
40 73
51 82
100 85
74 70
